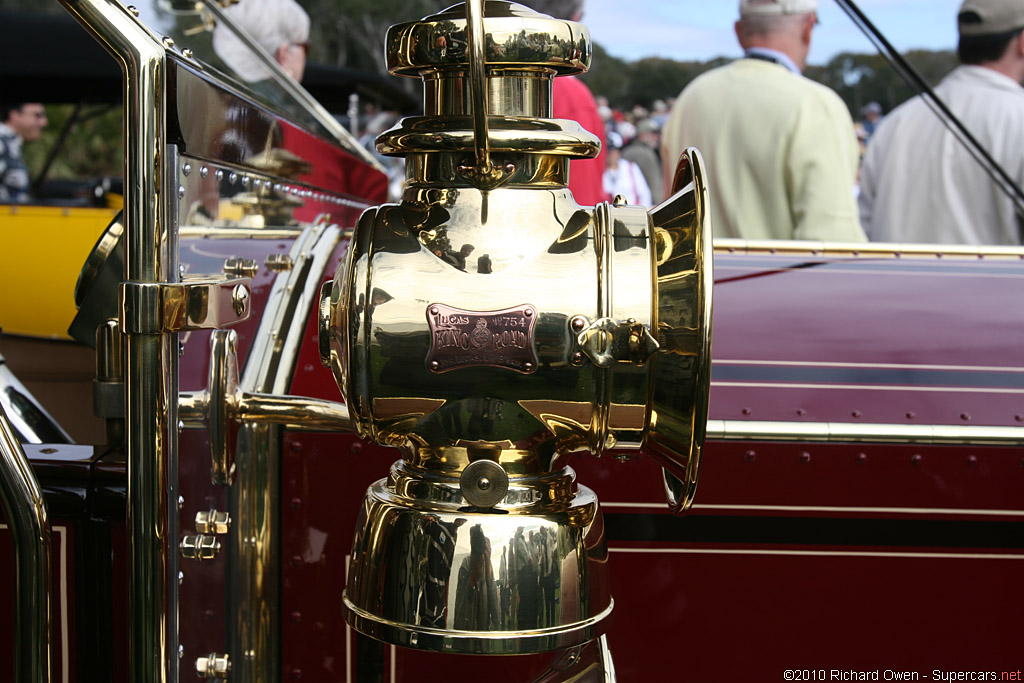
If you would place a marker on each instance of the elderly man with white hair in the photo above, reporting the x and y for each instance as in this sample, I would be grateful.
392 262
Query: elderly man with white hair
780 149
281 27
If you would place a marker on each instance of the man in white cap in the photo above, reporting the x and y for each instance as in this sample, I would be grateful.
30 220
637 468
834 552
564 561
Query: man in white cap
281 27
780 149
918 182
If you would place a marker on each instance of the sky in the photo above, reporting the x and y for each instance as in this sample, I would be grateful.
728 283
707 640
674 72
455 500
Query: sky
702 29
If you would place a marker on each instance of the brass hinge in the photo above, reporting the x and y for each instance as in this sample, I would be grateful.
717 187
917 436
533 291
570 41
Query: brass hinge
195 303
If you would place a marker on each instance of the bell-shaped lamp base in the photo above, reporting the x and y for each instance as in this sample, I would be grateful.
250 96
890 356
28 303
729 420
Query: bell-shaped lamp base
448 578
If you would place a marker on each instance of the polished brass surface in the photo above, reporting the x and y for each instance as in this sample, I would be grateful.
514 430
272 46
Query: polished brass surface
255 581
151 359
432 134
213 522
213 666
678 408
533 579
25 511
224 404
279 262
108 385
488 326
241 267
222 388
515 35
487 96
195 303
200 547
484 171
848 432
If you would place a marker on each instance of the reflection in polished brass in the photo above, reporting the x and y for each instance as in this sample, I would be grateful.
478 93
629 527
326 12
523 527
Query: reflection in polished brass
488 326
200 547
224 404
212 522
683 253
25 511
195 303
151 359
213 666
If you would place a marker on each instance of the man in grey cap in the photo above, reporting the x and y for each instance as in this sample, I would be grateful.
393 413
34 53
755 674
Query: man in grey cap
918 182
781 150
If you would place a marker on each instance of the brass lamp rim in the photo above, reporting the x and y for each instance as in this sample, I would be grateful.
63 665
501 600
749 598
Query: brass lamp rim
474 642
412 47
424 134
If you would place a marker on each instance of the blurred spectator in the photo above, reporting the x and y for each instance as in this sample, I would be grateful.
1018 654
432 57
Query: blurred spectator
19 123
780 148
871 116
624 178
281 27
643 151
918 182
573 100
660 113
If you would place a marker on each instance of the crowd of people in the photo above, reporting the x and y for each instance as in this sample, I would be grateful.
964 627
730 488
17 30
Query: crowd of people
784 157
787 161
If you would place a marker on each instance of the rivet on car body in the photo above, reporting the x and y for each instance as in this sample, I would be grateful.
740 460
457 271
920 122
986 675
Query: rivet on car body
972 460
862 457
750 456
916 459
805 457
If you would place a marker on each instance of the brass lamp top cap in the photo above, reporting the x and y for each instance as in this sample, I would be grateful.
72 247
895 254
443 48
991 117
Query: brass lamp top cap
516 37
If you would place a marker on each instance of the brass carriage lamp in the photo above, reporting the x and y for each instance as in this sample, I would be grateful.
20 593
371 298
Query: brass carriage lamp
487 326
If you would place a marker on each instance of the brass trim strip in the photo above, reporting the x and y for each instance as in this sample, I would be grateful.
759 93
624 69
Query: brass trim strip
864 249
866 387
254 638
885 366
299 413
150 256
826 508
820 553
846 432
25 509
295 412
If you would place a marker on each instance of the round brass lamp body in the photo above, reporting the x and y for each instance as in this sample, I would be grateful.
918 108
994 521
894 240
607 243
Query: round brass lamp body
488 326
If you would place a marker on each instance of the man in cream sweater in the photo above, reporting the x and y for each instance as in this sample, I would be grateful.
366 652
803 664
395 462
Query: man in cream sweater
780 149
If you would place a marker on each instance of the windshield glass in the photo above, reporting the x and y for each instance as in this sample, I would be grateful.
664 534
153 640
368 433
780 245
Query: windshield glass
201 31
